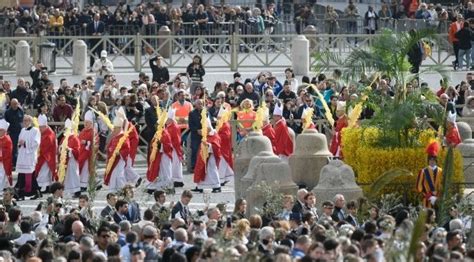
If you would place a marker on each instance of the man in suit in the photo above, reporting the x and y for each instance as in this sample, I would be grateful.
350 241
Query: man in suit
95 28
150 120
133 214
299 204
194 121
181 209
109 210
338 214
121 212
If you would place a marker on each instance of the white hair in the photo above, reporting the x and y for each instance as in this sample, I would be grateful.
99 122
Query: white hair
266 233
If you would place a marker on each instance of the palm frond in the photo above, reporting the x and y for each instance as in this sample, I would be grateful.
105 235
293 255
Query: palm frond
418 230
448 173
385 179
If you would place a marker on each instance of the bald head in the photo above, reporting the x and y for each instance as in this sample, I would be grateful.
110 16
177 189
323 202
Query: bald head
77 228
14 103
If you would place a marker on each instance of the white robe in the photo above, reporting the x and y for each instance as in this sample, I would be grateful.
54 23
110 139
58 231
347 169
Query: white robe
85 174
212 173
164 179
117 178
225 171
130 174
28 154
72 181
44 177
3 178
176 168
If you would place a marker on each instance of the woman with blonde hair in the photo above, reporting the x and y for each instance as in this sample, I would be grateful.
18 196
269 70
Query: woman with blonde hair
241 231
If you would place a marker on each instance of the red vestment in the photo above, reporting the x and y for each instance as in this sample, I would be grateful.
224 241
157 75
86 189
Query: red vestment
341 123
175 134
269 132
225 134
200 168
86 135
134 140
6 147
47 152
154 167
124 151
283 142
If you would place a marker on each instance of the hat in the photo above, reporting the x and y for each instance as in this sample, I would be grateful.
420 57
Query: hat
341 106
119 118
103 53
432 150
42 120
4 124
278 111
68 123
149 231
89 116
171 113
295 216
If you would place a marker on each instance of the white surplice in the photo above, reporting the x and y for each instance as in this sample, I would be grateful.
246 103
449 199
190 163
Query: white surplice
176 168
44 176
28 153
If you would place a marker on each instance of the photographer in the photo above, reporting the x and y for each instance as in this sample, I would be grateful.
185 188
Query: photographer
102 68
160 73
196 71
38 74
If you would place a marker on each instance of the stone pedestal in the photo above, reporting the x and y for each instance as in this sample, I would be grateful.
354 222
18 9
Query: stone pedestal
467 151
251 146
165 44
311 34
337 178
22 56
267 169
310 156
79 58
300 55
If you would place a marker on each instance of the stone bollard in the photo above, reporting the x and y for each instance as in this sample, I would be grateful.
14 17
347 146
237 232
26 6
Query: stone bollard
253 144
467 151
300 55
20 32
271 171
22 56
310 156
165 44
310 32
337 178
79 58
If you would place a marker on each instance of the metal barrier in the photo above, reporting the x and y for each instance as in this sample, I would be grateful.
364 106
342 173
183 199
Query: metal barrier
218 51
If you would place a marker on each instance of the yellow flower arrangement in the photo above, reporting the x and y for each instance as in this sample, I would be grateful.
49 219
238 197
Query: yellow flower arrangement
369 162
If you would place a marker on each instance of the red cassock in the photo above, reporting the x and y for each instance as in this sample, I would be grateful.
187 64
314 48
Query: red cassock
133 139
200 168
225 134
47 152
124 152
154 167
269 132
74 144
86 135
452 134
283 142
341 123
6 147
175 134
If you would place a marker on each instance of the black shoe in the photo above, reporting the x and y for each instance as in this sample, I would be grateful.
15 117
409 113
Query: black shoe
83 189
216 190
178 184
224 183
138 182
77 194
20 198
197 190
38 195
150 191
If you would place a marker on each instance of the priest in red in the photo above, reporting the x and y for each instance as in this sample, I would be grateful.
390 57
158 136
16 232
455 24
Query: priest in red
177 155
268 131
131 175
72 181
115 177
6 148
206 171
453 138
160 166
226 163
283 142
86 136
341 123
46 166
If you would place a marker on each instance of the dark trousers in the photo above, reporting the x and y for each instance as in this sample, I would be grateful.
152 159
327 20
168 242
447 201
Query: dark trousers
27 184
456 51
195 142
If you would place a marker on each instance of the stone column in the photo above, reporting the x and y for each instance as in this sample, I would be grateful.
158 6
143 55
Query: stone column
79 58
165 44
310 33
337 178
252 145
310 156
22 56
467 151
300 55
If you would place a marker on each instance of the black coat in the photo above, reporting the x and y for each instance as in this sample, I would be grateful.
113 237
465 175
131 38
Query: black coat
194 121
160 74
465 36
181 210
